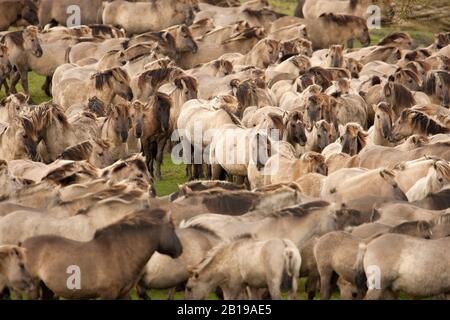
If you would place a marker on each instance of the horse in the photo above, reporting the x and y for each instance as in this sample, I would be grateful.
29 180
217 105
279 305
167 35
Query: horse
415 122
437 177
13 273
298 223
104 85
115 129
261 264
155 130
398 96
392 253
55 12
314 9
336 252
21 46
122 13
163 272
130 242
437 85
330 28
21 12
19 139
381 131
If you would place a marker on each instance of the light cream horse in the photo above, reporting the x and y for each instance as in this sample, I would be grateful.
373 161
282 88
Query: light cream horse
438 177
247 263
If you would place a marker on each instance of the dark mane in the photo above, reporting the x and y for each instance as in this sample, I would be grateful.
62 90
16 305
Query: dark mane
299 211
204 229
435 201
405 227
101 29
16 37
190 82
158 76
342 19
424 124
140 221
392 37
81 151
402 95
232 203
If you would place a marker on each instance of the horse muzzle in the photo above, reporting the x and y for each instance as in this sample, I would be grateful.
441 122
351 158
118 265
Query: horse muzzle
39 53
124 136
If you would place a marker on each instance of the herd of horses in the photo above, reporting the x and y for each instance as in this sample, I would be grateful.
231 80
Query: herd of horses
356 178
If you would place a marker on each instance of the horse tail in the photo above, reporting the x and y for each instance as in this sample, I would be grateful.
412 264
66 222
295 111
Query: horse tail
299 9
292 264
67 56
360 278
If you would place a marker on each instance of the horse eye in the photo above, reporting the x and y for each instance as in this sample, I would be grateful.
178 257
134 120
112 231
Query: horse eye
440 179
319 136
378 116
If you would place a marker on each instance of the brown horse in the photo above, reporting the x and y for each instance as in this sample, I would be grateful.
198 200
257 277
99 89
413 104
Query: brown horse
155 127
21 45
127 245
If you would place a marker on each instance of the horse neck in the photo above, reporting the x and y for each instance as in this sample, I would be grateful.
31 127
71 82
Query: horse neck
139 247
58 137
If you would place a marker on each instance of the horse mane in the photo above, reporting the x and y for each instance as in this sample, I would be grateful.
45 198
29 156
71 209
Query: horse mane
411 74
342 19
190 82
48 113
99 29
202 229
15 36
101 78
139 221
299 211
392 37
423 123
79 152
442 167
58 174
403 96
260 12
442 219
158 76
233 203
402 228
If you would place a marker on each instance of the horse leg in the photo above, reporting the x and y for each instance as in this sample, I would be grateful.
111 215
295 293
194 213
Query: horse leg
240 180
216 172
311 286
198 171
142 292
325 284
159 156
171 294
24 82
274 289
5 294
47 85
374 294
47 294
350 43
14 81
